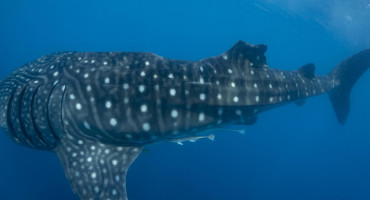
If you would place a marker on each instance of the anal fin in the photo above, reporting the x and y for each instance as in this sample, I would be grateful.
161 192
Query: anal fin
96 170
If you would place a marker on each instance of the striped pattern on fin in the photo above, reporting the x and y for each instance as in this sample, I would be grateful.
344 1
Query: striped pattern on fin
96 170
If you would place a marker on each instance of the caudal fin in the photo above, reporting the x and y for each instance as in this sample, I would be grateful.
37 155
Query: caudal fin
345 76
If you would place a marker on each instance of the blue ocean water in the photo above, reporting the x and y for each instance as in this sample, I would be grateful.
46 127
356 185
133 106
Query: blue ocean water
291 153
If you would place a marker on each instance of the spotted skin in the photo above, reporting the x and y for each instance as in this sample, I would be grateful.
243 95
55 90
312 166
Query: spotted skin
97 110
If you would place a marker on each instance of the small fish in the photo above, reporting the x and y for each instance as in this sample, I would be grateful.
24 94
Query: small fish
192 139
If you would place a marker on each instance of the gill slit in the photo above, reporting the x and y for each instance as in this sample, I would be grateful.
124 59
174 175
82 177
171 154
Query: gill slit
21 123
8 116
37 130
47 114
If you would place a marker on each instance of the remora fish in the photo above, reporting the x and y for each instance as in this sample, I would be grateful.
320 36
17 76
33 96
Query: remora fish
192 139
98 110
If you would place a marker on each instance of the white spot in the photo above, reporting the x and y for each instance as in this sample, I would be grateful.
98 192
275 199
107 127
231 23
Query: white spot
147 63
108 104
270 86
114 162
288 97
238 112
87 125
236 99
93 175
86 75
174 113
89 159
113 122
143 108
107 151
96 189
255 85
202 96
257 98
72 96
268 76
201 68
232 84
92 148
155 76
172 92
78 106
106 80
224 57
230 71
201 117
141 88
251 64
219 96
271 99
105 63
146 126
201 80
252 72
170 76
88 88
142 73
125 86
80 142
56 73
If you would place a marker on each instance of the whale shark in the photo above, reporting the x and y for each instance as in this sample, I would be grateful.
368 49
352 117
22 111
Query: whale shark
97 110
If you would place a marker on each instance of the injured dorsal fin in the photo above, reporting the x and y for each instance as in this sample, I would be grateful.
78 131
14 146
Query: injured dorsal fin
307 71
242 55
242 51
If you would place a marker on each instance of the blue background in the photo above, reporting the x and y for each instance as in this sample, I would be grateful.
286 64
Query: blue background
291 153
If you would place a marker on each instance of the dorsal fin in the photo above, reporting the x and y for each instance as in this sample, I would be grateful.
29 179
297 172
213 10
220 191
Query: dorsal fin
307 71
242 55
242 52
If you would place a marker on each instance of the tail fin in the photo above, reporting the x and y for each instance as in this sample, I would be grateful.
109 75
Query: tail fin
345 76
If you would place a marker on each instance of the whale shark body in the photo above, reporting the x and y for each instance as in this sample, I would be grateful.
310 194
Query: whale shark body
98 110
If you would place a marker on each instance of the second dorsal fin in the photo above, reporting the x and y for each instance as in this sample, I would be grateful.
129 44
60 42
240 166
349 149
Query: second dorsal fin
307 71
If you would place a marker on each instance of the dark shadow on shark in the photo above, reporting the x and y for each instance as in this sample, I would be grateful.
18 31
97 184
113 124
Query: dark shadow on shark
98 110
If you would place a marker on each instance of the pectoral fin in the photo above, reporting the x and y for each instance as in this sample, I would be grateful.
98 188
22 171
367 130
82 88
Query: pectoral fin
96 170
